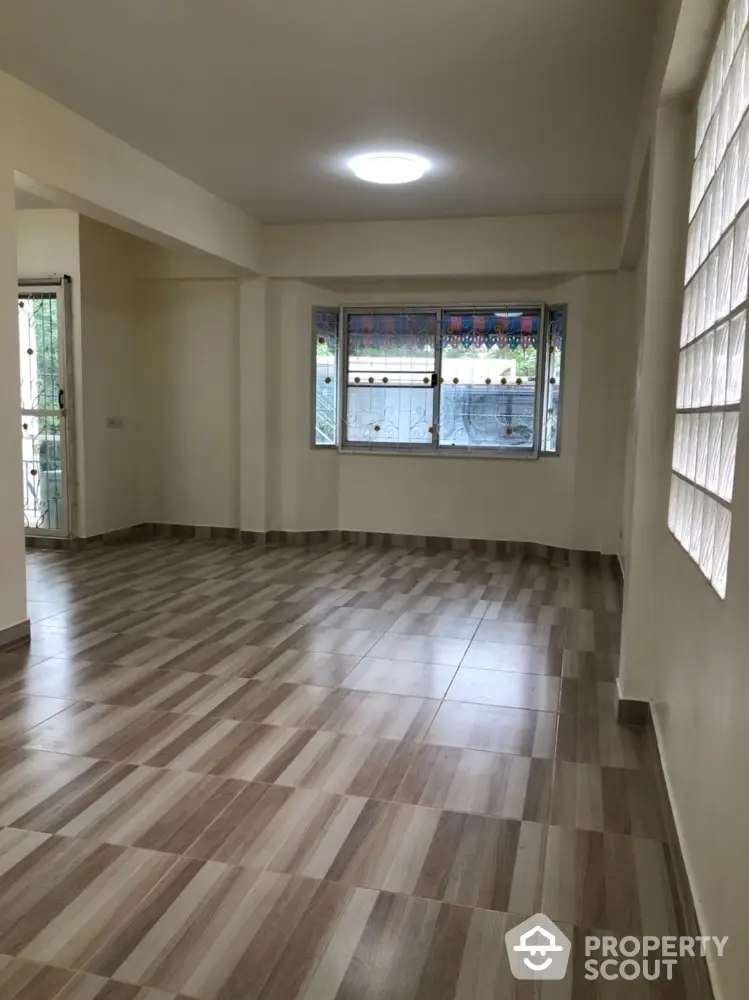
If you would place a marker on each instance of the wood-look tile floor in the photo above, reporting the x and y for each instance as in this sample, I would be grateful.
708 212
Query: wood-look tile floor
321 773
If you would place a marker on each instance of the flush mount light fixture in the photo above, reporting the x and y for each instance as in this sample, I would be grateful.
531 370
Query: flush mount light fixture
389 168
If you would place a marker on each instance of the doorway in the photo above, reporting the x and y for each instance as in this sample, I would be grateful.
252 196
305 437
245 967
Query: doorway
46 459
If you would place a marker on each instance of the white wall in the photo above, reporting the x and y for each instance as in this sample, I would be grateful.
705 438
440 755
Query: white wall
94 172
12 561
189 400
573 500
515 246
568 501
112 488
684 648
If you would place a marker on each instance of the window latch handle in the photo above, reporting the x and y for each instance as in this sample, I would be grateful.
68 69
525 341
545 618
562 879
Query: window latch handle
61 398
434 380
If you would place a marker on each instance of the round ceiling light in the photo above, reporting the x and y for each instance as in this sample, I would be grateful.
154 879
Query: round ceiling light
389 168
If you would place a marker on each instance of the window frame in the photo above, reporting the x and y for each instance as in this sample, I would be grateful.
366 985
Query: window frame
435 449
551 309
313 378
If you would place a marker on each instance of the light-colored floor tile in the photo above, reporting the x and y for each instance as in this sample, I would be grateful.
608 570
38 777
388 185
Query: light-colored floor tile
498 687
420 648
427 680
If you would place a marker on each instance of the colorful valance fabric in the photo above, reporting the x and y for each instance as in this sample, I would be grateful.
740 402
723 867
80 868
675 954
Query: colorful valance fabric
386 330
490 330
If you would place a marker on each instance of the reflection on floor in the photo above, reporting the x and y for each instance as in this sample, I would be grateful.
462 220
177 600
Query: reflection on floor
317 773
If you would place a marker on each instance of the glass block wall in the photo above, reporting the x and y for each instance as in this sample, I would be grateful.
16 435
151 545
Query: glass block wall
713 332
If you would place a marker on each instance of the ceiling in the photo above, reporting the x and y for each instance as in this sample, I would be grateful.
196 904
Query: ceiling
522 105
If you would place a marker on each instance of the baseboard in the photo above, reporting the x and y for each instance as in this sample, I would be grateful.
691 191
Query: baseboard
133 533
15 635
688 919
375 539
430 543
631 711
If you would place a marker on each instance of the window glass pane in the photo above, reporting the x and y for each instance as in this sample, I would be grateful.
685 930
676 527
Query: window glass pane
40 350
391 377
326 382
553 389
489 373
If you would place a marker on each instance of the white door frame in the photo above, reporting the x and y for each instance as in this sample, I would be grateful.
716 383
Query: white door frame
60 287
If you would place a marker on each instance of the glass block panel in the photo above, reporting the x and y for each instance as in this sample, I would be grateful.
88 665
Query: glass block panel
720 365
707 547
740 277
695 535
678 449
685 315
739 185
742 11
721 549
723 118
705 228
691 258
701 295
731 39
681 380
714 443
712 148
722 67
703 428
718 212
706 369
728 455
690 455
725 261
673 501
736 340
711 290
742 96
689 377
687 493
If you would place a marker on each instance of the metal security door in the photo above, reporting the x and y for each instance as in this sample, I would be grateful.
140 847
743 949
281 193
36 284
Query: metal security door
44 414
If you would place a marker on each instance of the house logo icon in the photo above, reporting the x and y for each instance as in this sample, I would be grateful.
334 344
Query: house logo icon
537 949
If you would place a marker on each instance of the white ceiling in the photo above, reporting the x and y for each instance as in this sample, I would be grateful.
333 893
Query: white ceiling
523 105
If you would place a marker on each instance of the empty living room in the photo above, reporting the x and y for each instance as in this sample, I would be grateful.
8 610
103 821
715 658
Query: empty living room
374 500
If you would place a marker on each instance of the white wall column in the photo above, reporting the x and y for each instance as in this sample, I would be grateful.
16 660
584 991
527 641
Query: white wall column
671 159
252 395
12 556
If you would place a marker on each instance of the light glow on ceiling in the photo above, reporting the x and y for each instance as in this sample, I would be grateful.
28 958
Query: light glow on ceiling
389 168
